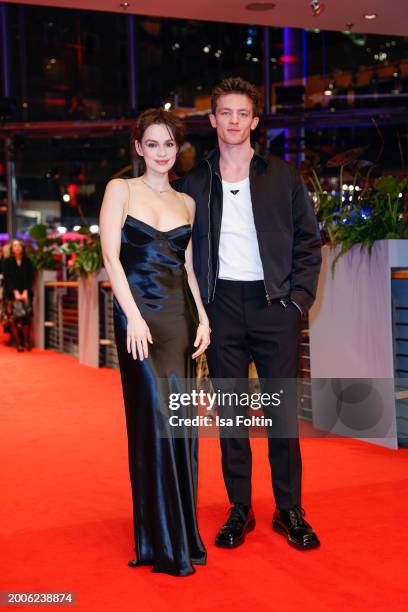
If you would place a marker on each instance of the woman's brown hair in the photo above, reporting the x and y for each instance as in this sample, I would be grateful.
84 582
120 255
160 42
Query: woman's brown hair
158 116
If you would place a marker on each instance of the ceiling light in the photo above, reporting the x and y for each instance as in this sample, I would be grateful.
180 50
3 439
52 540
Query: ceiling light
207 48
260 6
124 5
371 16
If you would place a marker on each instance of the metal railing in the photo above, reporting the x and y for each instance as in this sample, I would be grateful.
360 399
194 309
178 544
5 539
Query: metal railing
399 283
61 316
107 347
304 386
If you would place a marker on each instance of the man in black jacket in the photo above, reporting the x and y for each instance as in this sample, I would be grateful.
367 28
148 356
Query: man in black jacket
257 256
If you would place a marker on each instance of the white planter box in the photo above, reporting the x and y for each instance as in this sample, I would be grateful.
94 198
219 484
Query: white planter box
351 337
41 277
88 318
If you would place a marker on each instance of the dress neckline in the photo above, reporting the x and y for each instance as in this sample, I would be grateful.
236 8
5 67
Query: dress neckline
173 229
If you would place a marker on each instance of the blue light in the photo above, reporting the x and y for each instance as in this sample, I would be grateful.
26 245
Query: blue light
365 213
249 40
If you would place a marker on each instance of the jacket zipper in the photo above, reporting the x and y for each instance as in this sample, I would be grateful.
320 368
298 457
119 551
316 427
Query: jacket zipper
215 280
209 232
218 258
268 297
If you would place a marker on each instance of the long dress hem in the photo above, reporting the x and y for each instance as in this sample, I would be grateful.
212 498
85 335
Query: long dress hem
163 468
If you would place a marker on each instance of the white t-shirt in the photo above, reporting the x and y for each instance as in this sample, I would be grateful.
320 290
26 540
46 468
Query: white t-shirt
239 257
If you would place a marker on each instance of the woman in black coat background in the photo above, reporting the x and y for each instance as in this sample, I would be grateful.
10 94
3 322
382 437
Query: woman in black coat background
18 273
5 317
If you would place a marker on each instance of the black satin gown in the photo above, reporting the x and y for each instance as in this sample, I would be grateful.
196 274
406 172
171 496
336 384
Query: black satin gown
162 465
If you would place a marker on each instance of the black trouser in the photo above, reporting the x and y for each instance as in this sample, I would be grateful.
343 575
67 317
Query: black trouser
243 324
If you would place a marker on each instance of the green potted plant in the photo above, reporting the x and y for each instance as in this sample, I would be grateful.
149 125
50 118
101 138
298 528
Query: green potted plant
84 254
370 209
44 252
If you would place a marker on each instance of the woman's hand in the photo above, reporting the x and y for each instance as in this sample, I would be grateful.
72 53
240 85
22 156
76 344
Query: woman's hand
17 295
138 336
202 339
24 295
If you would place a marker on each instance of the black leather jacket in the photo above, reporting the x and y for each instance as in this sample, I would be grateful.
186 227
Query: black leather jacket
285 222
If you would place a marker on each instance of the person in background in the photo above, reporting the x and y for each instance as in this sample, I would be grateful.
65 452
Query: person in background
18 279
5 305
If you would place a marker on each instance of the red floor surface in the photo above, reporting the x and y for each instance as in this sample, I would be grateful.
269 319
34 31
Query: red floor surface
65 519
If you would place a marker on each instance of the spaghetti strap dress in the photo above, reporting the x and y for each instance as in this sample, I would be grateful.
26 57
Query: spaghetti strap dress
163 463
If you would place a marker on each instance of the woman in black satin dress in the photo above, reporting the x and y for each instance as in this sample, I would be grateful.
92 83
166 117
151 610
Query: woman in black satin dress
160 328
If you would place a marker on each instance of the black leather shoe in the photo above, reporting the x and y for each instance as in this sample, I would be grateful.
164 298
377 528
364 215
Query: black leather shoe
298 532
240 522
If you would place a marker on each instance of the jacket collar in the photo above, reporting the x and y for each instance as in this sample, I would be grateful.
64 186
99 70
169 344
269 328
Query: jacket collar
258 164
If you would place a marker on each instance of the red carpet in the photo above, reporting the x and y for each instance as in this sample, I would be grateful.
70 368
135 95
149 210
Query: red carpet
66 509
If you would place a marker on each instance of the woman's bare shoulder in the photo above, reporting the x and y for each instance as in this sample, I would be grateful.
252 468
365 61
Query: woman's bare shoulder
118 185
188 200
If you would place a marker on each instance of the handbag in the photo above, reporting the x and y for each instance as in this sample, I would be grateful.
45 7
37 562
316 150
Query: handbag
21 309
